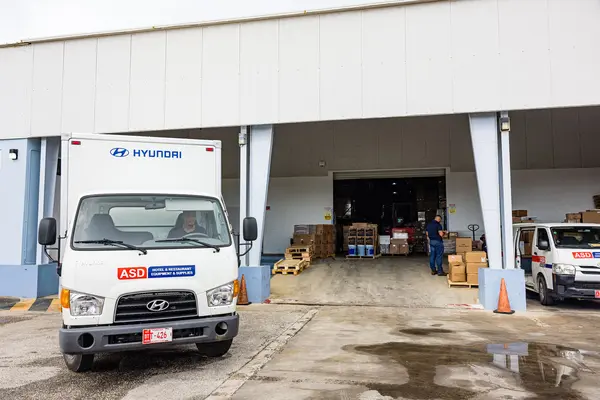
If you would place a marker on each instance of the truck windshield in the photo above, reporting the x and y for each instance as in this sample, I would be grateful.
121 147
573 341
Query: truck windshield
581 237
150 222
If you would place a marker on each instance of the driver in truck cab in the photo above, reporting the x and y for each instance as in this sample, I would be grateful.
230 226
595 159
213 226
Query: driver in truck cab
186 224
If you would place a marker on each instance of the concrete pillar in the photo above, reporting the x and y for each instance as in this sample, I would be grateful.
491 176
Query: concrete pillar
47 185
492 165
261 145
255 167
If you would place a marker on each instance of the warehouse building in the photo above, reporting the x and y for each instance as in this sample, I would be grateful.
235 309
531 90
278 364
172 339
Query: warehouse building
320 109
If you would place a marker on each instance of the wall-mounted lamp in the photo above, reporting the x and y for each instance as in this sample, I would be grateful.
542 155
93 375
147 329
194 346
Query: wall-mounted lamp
322 164
504 122
13 154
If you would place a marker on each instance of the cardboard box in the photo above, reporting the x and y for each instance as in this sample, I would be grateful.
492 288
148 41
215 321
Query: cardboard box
476 257
463 244
306 239
473 279
458 273
473 268
455 259
399 246
516 220
591 217
519 213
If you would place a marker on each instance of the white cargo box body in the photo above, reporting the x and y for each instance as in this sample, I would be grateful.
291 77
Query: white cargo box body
103 164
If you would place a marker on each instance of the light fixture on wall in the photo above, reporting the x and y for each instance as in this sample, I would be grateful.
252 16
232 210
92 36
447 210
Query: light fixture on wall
13 154
504 122
322 164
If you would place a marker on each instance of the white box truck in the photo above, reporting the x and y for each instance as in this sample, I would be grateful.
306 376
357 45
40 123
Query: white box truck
146 254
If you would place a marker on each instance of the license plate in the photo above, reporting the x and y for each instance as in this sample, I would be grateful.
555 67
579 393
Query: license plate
598 294
157 335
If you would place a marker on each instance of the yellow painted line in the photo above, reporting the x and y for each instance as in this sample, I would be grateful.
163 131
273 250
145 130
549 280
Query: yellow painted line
23 305
54 306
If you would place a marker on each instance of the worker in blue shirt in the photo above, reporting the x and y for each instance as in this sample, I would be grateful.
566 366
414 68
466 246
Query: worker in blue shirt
435 233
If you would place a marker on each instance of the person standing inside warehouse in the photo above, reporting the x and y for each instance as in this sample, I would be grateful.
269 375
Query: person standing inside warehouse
435 233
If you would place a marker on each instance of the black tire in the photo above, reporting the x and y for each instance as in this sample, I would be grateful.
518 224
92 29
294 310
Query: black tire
545 298
79 362
215 349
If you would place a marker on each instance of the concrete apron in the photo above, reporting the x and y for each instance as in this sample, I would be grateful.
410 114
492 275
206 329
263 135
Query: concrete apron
370 353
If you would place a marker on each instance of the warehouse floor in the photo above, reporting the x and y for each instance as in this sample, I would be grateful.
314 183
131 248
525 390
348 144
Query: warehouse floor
386 281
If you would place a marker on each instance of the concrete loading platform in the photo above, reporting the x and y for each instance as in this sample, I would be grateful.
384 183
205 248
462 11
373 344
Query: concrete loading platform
385 281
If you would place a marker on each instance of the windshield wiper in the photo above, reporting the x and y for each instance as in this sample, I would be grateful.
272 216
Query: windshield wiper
109 242
185 239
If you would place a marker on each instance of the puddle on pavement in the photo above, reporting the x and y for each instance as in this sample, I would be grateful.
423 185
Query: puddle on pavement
549 371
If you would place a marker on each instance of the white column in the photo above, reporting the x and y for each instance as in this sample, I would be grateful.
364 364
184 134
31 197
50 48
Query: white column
47 186
508 249
243 142
484 137
261 145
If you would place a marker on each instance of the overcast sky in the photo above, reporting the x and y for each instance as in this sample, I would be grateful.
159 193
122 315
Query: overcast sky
29 19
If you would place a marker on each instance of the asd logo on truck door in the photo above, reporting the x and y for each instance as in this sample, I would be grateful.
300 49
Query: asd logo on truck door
121 152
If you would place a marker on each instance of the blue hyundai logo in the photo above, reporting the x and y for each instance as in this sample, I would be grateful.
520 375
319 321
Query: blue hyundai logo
119 152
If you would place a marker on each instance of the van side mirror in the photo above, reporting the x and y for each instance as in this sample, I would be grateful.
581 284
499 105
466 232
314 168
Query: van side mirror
544 245
250 229
47 231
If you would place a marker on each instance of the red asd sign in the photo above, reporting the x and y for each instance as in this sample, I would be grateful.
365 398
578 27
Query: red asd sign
582 254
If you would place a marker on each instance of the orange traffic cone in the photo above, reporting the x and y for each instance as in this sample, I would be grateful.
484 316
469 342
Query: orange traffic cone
503 303
243 298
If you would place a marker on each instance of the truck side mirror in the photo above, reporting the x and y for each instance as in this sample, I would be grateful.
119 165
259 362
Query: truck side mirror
47 231
250 229
544 245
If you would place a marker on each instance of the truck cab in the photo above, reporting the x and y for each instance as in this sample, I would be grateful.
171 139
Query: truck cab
146 252
560 260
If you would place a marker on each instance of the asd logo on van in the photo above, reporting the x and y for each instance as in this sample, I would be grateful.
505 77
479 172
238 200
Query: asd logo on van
121 152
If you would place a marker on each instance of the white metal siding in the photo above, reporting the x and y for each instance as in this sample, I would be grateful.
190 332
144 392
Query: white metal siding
422 59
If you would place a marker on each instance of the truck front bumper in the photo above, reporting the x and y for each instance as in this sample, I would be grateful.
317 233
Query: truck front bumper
115 338
566 287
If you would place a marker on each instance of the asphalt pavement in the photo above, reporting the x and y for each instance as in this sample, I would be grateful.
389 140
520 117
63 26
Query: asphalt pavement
31 366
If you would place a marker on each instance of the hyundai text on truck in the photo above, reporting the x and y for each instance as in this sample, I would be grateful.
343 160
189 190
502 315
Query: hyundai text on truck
146 253
560 261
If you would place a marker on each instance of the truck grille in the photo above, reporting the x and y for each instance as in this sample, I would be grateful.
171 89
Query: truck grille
587 285
135 308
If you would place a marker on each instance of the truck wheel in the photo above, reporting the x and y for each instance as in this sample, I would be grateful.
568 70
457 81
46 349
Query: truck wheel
545 297
79 362
215 349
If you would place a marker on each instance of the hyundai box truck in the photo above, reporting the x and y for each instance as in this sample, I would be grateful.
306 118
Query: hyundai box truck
146 253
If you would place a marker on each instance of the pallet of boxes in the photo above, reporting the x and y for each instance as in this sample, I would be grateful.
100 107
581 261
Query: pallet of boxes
309 243
363 241
465 264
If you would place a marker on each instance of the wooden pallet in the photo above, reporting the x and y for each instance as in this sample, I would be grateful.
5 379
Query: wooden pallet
359 257
461 284
395 255
285 267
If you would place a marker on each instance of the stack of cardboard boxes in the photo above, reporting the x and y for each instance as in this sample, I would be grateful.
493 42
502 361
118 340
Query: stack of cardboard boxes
320 237
463 245
362 234
587 217
399 243
465 267
522 217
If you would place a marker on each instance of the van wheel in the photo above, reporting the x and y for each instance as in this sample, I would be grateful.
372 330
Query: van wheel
215 349
545 297
79 362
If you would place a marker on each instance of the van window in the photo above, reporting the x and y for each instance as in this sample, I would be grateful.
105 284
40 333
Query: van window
526 242
542 236
580 237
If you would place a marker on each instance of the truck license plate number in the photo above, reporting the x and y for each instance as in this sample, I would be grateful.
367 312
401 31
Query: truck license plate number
157 335
598 294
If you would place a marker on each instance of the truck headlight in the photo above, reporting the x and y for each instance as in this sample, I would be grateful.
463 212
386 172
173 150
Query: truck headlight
85 304
223 295
563 269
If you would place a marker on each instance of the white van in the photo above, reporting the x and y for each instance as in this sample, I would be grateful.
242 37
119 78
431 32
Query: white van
146 255
560 260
